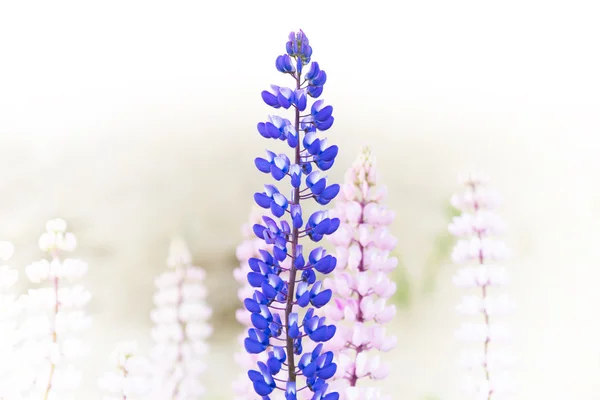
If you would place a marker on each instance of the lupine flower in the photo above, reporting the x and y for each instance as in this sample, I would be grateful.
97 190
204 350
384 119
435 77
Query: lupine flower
249 248
360 283
55 315
180 327
479 254
130 378
10 383
284 281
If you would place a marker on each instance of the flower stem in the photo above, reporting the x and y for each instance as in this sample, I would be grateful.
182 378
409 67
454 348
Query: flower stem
292 277
54 339
486 316
359 315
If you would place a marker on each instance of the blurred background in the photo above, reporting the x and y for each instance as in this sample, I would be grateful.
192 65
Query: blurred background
135 121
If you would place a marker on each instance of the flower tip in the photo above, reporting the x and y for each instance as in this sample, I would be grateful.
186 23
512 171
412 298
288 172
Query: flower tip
7 250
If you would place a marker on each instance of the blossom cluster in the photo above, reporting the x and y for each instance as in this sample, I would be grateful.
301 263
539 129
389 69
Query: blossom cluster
360 283
55 316
9 311
130 378
282 307
180 327
480 254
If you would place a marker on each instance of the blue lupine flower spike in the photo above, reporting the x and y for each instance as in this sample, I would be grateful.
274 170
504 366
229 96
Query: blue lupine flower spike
286 276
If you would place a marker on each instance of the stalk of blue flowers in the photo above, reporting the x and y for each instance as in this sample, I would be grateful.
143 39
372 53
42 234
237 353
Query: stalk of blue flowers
267 271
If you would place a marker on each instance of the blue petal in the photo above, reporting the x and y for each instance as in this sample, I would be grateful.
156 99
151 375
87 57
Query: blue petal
317 351
274 365
310 370
306 168
259 231
324 264
259 321
279 254
304 300
324 165
280 64
320 79
315 91
331 191
255 279
277 173
253 264
314 147
323 126
309 276
322 227
268 291
301 103
297 221
292 140
296 180
322 201
318 187
252 305
262 200
262 165
321 299
272 130
299 261
279 353
270 99
262 129
335 224
304 361
261 388
329 154
323 334
294 332
284 101
324 114
327 372
290 391
277 210
313 71
255 375
253 346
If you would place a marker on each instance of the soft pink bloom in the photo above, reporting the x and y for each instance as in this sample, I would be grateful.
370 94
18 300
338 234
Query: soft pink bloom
480 254
180 328
360 282
54 318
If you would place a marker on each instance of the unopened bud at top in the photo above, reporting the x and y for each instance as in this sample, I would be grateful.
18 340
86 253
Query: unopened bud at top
6 250
179 254
56 237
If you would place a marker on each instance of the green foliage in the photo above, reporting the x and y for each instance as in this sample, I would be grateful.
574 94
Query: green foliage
442 246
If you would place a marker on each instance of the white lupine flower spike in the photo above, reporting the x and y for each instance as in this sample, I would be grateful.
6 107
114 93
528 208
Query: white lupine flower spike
480 254
130 378
55 316
180 327
360 282
10 308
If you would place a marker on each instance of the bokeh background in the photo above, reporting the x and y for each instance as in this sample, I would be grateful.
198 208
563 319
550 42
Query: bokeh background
135 121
